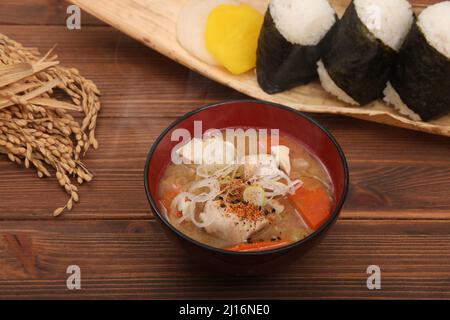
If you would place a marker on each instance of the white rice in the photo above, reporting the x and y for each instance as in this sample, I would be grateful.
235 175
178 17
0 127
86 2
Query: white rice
392 97
434 22
388 20
331 87
302 22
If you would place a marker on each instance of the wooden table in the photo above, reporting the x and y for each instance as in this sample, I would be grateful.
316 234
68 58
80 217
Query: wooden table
397 215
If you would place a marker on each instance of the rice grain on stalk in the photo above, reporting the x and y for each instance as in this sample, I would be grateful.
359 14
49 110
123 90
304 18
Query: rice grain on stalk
37 128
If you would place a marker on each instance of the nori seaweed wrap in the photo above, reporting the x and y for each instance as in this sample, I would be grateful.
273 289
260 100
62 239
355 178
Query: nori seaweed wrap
281 64
358 62
421 77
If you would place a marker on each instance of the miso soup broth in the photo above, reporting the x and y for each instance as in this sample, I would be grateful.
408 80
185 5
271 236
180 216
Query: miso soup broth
249 201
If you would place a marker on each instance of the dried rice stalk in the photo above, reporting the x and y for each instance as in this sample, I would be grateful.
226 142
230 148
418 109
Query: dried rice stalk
36 128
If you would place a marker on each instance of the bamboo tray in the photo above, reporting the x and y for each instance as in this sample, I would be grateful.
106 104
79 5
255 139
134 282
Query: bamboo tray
153 22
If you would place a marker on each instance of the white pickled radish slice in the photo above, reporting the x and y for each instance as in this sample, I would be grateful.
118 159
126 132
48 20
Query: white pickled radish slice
191 27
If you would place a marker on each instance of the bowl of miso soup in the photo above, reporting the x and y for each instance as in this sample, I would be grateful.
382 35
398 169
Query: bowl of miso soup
246 187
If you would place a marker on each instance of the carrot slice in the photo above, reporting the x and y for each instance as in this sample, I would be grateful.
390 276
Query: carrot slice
313 204
258 246
168 198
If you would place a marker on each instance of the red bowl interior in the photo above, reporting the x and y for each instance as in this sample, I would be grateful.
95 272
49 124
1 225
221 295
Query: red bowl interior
255 114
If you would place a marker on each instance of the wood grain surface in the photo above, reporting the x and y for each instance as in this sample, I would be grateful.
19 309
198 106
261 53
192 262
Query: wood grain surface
397 215
154 23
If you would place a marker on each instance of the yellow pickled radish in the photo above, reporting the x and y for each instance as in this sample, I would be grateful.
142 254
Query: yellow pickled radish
231 36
